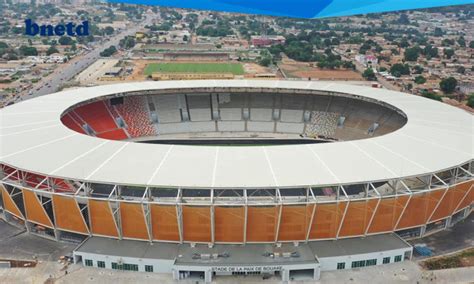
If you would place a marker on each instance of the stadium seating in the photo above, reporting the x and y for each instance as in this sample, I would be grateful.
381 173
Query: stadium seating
70 122
116 134
97 116
168 108
322 123
136 115
309 115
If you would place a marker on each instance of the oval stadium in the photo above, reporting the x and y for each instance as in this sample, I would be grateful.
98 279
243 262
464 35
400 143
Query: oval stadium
195 178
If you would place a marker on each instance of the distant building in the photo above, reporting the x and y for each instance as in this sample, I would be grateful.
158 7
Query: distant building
367 60
260 41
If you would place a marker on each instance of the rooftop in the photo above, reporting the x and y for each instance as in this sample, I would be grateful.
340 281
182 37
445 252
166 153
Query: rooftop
436 137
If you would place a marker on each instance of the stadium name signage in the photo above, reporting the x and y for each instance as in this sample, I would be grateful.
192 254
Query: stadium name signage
70 29
246 268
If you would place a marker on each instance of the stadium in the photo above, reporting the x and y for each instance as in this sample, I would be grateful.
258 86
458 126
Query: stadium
295 176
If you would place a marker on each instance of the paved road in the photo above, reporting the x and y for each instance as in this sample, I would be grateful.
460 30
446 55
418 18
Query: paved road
456 238
16 243
403 272
69 70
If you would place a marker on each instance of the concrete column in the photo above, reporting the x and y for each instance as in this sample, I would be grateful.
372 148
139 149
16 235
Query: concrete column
285 275
208 276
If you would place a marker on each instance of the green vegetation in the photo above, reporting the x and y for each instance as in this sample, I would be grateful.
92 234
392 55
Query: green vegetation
452 261
420 80
28 50
108 51
234 68
418 69
470 101
109 30
127 42
51 50
432 96
448 52
412 54
65 40
369 74
448 85
399 69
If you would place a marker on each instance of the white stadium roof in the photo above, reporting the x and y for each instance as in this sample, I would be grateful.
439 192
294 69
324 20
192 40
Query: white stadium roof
436 137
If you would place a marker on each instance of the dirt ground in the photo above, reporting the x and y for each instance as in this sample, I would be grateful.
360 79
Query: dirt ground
462 259
306 70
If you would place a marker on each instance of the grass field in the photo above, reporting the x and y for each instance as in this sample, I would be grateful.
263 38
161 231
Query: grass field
234 68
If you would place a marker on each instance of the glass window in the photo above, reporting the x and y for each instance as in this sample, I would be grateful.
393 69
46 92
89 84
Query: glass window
341 265
101 264
149 268
116 266
356 264
371 262
130 267
88 262
386 260
398 258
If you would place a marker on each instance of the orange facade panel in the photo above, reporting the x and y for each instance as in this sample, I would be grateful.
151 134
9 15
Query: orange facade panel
357 218
387 214
262 223
164 223
468 199
8 203
133 221
294 222
197 223
102 219
35 212
68 215
450 201
327 219
229 224
419 209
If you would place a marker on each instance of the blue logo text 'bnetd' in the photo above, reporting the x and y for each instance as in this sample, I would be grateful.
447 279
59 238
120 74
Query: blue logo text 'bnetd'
70 29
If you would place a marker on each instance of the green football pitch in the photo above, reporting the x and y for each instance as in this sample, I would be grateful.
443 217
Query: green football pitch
234 68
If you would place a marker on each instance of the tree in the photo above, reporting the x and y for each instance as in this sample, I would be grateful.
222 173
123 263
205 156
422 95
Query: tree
369 74
127 42
471 44
108 51
418 69
28 50
411 54
470 101
399 69
438 32
448 85
403 19
265 61
3 45
65 40
429 51
420 80
404 43
51 50
109 30
461 70
448 52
